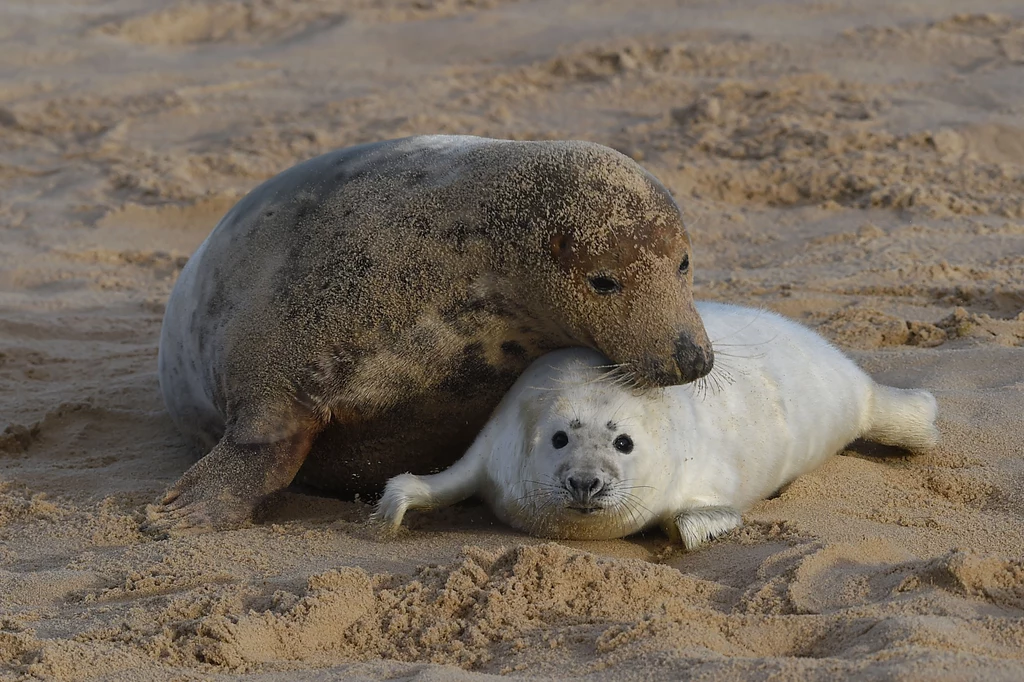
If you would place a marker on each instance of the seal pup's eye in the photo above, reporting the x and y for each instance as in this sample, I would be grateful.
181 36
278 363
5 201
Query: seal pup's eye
559 440
624 444
684 267
605 285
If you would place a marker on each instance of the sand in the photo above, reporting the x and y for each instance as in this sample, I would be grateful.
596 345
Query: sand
857 165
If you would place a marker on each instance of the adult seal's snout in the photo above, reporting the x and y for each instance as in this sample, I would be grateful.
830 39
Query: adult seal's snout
689 362
692 360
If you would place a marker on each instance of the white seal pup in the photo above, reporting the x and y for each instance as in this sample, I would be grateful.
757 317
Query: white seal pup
573 452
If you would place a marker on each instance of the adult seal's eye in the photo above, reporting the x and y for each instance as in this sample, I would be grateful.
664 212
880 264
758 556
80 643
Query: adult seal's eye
684 267
624 444
559 440
605 285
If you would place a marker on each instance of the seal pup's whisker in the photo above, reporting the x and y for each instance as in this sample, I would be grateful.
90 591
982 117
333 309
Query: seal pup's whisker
616 418
750 321
638 502
621 487
719 353
635 516
546 491
546 513
626 481
536 493
620 521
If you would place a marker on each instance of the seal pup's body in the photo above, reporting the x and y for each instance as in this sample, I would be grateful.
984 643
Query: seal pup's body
362 313
571 452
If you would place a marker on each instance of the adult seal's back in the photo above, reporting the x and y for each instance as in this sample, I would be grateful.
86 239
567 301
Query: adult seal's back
361 314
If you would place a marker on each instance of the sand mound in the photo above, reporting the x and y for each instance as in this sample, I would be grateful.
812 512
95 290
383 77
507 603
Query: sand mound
866 329
809 139
191 23
269 21
721 59
962 37
462 614
514 610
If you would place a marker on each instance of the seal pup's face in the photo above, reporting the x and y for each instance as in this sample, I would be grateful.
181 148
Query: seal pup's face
592 466
622 274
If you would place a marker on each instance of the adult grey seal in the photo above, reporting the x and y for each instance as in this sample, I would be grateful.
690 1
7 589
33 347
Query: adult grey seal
572 451
362 313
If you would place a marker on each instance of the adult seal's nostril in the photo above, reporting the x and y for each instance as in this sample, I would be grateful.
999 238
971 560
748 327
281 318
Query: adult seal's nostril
584 488
692 360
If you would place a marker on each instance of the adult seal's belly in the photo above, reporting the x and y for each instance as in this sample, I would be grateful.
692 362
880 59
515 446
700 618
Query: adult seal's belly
361 314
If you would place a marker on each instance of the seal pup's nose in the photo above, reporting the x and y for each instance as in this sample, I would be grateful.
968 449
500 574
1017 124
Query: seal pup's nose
692 360
584 488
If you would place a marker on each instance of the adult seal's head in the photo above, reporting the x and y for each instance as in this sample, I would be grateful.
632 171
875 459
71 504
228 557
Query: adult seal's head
609 260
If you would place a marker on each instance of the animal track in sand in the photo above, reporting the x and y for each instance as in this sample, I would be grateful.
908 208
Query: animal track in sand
245 21
265 22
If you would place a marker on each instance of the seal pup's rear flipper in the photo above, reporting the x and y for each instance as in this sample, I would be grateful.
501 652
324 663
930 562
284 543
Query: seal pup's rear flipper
696 526
903 418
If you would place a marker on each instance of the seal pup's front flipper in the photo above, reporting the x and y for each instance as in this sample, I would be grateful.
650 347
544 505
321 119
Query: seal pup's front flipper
696 526
409 491
497 447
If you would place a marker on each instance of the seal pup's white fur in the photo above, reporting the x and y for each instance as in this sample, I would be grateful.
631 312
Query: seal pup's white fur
573 452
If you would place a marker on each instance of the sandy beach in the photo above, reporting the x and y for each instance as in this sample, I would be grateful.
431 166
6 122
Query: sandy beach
856 165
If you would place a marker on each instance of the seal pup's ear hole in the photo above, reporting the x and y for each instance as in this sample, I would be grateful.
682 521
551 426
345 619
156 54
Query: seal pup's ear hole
559 440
